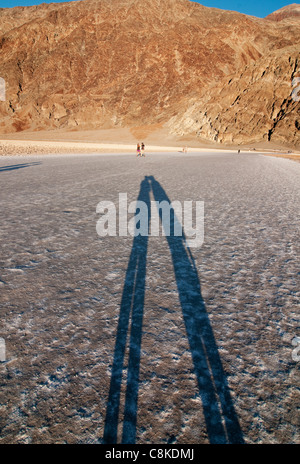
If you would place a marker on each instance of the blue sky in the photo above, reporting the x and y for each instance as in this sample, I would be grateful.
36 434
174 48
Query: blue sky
260 8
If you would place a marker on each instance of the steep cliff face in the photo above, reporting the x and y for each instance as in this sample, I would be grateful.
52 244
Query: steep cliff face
254 105
121 63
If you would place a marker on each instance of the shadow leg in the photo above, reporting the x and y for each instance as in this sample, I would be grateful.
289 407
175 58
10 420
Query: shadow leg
221 420
132 305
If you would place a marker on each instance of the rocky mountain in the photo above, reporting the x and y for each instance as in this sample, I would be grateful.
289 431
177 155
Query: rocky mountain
287 12
211 74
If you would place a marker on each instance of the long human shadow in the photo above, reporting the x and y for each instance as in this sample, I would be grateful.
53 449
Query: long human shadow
132 306
221 420
17 166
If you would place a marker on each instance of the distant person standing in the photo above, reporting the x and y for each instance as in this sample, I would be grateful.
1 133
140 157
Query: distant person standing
143 149
138 150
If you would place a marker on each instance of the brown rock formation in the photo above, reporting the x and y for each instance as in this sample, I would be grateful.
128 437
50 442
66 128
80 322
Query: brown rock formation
214 74
255 105
287 12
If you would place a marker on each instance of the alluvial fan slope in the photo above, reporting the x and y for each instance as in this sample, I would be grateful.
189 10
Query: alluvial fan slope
218 75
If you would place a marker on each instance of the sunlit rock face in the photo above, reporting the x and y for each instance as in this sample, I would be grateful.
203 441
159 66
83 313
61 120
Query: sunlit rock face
216 75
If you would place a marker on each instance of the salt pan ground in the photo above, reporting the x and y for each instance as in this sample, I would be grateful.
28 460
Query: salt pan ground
139 339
